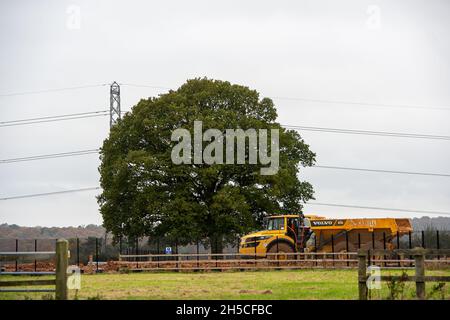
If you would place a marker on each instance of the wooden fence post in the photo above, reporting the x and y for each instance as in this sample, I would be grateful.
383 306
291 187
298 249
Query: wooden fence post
362 276
419 259
62 247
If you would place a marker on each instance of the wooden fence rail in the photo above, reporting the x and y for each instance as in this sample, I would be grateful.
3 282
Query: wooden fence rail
237 261
419 262
60 281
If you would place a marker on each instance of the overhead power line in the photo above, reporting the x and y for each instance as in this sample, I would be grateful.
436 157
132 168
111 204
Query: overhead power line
327 101
51 156
51 90
378 208
94 151
371 133
53 118
383 105
362 132
311 203
49 193
385 171
144 86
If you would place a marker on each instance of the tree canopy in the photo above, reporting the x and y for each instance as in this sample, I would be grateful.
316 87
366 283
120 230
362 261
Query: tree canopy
146 194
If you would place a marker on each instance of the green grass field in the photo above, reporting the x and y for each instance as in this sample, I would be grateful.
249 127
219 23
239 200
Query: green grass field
297 284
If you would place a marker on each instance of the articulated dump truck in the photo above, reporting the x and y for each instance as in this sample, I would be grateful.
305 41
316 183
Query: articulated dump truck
298 233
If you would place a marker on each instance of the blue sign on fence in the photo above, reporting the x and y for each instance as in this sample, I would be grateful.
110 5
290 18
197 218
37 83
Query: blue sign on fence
168 250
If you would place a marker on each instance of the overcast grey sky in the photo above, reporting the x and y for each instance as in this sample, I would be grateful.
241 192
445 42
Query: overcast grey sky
381 52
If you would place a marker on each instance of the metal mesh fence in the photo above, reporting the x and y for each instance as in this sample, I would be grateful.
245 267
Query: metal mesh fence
101 250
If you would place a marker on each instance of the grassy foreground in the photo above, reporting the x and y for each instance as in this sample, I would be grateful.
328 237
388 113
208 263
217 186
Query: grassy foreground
296 284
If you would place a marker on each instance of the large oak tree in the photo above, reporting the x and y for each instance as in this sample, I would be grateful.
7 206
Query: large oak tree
146 194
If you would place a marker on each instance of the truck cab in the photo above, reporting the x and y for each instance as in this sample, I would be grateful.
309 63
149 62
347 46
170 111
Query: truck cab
282 234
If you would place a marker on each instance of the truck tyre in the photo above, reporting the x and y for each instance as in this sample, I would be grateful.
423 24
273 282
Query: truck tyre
283 248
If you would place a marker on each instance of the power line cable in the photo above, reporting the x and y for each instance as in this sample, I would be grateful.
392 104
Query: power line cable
385 171
57 116
48 193
51 90
366 132
378 208
144 86
327 101
51 156
51 117
363 132
304 128
363 103
311 203
92 151
55 120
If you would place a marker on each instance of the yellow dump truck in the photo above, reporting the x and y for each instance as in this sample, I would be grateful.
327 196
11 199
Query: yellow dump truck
309 233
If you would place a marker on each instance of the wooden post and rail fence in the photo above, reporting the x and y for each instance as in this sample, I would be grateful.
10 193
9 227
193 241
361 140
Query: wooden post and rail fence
61 256
61 276
419 278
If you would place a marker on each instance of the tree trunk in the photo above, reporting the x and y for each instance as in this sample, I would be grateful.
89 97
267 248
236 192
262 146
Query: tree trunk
216 243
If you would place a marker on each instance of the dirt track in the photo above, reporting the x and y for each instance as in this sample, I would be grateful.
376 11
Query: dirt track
217 265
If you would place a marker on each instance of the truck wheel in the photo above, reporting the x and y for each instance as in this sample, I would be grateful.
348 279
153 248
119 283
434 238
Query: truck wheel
283 248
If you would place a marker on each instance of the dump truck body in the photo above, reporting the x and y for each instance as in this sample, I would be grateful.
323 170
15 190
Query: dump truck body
350 234
294 233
